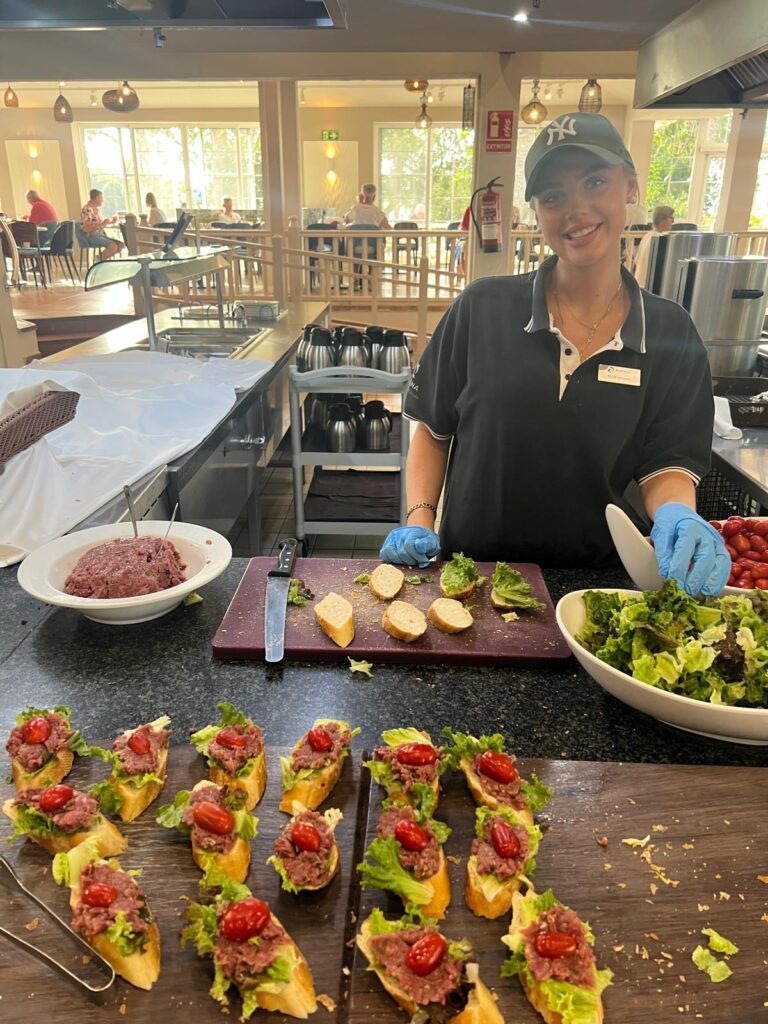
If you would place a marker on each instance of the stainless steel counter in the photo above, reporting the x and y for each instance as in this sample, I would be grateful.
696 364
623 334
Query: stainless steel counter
745 462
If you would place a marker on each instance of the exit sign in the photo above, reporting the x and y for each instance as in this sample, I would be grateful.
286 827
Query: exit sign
330 135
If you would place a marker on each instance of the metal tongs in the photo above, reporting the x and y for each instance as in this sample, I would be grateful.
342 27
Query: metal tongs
97 993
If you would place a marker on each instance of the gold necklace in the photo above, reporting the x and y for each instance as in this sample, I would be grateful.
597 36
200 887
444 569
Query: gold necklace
591 328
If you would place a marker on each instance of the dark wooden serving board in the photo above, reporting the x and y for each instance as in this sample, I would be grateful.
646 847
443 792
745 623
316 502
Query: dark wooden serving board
534 637
719 812
318 922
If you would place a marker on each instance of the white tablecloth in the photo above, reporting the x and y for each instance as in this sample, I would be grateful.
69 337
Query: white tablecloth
137 412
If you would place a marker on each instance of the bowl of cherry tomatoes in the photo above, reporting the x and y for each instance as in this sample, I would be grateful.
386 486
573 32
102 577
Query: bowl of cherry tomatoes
746 540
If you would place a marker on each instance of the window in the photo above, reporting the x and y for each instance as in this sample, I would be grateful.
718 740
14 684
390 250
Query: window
525 139
687 167
425 176
182 165
759 216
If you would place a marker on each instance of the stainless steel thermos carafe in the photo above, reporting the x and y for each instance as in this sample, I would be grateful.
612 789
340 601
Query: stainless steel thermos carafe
341 430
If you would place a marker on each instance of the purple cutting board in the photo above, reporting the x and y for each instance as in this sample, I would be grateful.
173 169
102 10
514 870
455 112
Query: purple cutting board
533 638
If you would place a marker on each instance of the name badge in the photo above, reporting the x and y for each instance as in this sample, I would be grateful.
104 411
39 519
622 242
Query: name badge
610 374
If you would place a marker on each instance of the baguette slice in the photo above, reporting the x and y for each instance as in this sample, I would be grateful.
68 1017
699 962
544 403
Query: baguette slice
501 602
386 582
538 1001
109 839
456 595
478 902
441 886
235 863
404 621
51 774
297 998
332 818
140 969
481 796
312 792
253 784
449 616
336 619
481 1006
137 798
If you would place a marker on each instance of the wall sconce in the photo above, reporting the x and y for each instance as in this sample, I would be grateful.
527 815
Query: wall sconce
10 99
62 111
535 111
416 84
423 121
331 177
330 151
591 99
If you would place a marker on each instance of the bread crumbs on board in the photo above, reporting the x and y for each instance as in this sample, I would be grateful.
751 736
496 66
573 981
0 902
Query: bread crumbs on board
327 1002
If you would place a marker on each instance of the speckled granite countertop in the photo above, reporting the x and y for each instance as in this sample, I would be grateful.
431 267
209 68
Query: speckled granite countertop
115 677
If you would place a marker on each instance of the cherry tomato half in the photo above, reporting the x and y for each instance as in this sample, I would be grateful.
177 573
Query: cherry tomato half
53 798
411 835
98 894
36 730
505 841
319 739
139 743
426 954
416 754
245 919
213 818
499 767
230 738
305 836
554 945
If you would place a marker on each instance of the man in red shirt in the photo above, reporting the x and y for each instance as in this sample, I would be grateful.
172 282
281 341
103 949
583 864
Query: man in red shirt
42 212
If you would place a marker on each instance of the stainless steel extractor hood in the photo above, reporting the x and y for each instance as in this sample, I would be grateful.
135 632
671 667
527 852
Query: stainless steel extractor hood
714 55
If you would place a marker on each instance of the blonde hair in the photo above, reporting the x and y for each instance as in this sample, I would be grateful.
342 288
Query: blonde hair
369 191
149 199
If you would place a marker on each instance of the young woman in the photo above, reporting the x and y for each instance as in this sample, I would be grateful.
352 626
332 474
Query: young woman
155 215
541 398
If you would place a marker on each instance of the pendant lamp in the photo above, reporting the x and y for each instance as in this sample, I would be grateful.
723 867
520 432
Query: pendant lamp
423 120
122 100
10 99
62 111
416 84
535 111
591 99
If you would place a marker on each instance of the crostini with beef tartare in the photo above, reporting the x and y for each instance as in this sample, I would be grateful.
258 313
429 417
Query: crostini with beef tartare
139 765
42 747
234 747
59 818
406 761
314 765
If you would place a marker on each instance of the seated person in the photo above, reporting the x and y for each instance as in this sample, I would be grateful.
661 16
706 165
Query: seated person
365 210
226 213
155 214
93 226
663 219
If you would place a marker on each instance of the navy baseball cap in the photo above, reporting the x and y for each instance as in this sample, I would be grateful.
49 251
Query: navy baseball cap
591 132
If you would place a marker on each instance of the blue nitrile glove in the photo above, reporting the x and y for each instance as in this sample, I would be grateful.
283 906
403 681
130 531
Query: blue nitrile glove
682 537
410 545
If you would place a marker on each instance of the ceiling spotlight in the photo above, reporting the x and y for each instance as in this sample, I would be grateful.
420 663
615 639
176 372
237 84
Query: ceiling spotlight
10 99
94 98
423 120
521 17
547 92
535 111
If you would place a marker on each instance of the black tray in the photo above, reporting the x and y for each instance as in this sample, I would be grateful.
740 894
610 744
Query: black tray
738 391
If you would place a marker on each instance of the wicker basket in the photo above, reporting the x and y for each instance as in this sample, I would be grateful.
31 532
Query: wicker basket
22 428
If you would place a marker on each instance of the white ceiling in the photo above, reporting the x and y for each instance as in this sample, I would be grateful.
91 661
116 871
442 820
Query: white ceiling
326 94
453 26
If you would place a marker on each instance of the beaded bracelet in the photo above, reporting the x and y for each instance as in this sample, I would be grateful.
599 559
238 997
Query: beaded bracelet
420 504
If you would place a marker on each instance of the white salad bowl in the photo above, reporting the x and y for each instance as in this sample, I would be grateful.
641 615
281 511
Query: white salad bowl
718 721
636 551
44 571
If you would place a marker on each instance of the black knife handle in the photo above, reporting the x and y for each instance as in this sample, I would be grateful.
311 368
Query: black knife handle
286 557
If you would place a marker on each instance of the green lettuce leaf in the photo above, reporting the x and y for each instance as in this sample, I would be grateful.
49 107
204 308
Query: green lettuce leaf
363 577
271 980
458 573
383 870
221 985
246 825
67 867
718 970
30 712
397 737
171 815
719 943
464 747
279 866
460 950
382 773
513 588
30 822
537 793
107 795
200 929
291 777
123 937
575 1003
229 715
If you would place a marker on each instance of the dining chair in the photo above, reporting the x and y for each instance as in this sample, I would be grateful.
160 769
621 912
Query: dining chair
61 249
86 245
371 249
28 245
406 245
319 243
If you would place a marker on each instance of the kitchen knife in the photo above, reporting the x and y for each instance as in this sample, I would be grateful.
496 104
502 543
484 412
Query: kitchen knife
276 600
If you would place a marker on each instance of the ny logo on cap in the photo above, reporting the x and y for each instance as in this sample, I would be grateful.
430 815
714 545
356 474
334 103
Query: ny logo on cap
567 126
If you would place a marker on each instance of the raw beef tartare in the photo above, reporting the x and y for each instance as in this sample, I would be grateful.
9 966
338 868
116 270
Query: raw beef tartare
126 568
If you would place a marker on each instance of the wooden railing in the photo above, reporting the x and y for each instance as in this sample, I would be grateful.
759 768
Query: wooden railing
750 243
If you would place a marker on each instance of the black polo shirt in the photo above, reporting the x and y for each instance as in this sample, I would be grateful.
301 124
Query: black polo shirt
541 443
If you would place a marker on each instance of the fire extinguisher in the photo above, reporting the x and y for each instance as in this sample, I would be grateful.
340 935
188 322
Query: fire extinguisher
489 227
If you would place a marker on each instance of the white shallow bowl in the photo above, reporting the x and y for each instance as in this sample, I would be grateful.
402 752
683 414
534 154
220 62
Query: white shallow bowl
43 572
637 554
720 722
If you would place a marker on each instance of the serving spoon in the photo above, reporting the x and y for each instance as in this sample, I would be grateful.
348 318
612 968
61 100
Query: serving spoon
635 551
131 509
